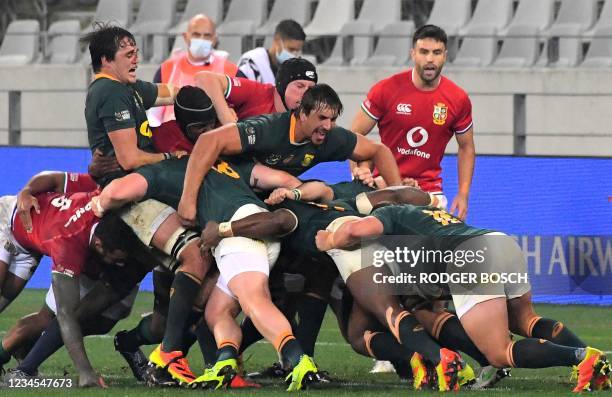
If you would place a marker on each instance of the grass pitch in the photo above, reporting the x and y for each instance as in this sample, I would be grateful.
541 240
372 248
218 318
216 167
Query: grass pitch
592 324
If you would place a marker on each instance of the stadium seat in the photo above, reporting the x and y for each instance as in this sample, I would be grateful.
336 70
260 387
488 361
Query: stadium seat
604 21
536 13
151 26
393 48
329 17
492 13
242 18
356 39
564 46
600 50
450 15
21 43
63 41
520 48
478 48
298 10
117 12
211 8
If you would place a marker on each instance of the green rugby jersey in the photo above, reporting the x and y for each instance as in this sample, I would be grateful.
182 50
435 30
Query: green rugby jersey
412 220
112 106
269 138
312 217
223 191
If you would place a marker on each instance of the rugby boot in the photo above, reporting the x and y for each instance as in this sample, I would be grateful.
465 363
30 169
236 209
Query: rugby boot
175 363
593 371
220 375
303 374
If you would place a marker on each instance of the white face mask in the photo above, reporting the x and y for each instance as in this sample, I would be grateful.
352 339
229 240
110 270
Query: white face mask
200 48
283 55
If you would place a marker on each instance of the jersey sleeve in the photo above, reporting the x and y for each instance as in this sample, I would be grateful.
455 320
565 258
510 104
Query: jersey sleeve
374 104
464 117
75 182
114 111
384 215
340 145
240 90
252 134
148 92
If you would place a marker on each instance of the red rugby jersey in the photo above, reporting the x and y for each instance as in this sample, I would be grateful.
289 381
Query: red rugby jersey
417 125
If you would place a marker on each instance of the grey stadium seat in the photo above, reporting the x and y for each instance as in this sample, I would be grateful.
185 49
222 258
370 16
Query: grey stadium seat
478 48
117 12
356 40
64 41
211 8
565 44
600 50
151 26
536 13
450 15
520 48
298 10
393 46
21 43
329 18
242 18
604 21
493 13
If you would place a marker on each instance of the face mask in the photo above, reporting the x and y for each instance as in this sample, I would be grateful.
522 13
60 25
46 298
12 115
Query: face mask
283 55
200 48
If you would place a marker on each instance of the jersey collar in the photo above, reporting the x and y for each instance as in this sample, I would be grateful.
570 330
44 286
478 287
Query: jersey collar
292 123
104 76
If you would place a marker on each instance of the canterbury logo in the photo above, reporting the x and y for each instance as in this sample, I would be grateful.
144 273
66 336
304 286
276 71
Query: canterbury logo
404 108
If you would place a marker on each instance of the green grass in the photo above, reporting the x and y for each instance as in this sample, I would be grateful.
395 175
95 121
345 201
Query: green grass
593 324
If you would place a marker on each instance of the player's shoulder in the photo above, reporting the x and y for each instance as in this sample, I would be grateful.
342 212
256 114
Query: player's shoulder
394 81
453 88
104 88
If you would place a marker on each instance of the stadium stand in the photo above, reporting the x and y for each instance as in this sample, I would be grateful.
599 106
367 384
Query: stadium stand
150 28
63 41
329 18
21 43
356 39
118 12
298 10
211 8
237 30
565 35
564 110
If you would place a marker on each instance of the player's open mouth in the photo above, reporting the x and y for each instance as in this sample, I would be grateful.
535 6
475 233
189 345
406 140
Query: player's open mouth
132 71
429 70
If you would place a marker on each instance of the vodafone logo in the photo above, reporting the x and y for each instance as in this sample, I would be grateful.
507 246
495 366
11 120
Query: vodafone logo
417 137
403 108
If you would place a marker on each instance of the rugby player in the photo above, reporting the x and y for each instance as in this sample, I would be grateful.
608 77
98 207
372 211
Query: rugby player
250 98
300 222
293 141
487 318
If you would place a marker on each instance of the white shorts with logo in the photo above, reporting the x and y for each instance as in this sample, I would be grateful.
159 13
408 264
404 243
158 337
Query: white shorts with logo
21 262
118 311
506 255
347 261
235 255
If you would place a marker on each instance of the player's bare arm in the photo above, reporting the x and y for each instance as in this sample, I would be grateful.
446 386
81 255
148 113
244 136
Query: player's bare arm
222 141
349 234
381 157
128 154
309 191
165 94
466 156
215 85
46 181
362 124
66 290
266 225
119 192
266 178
